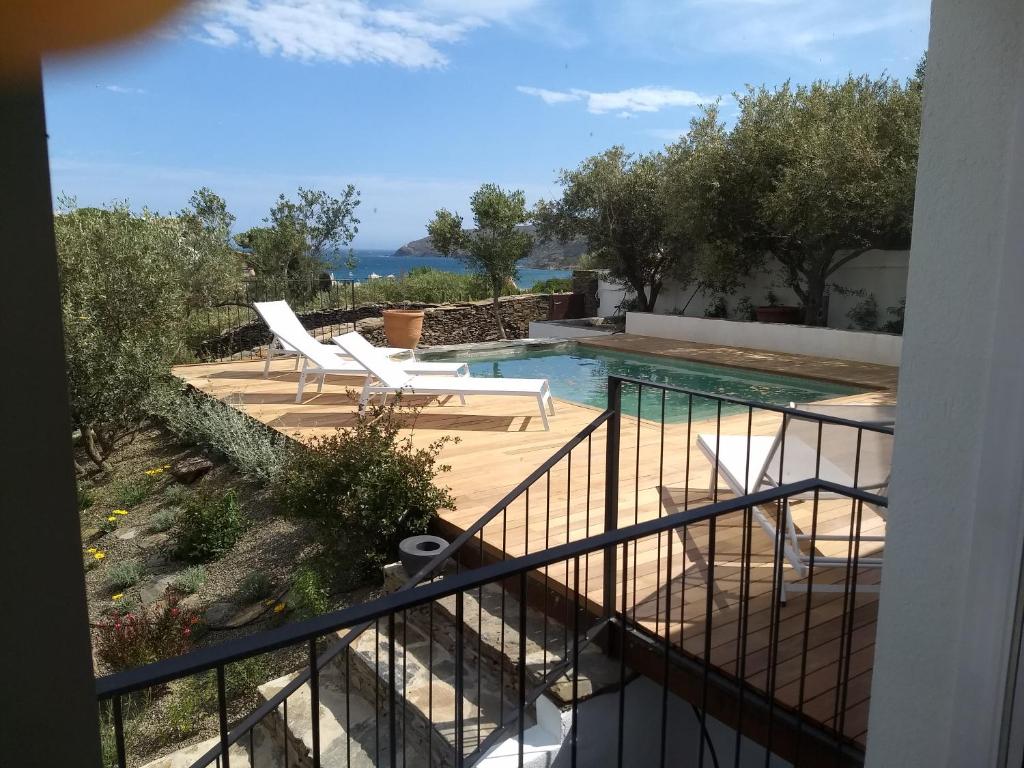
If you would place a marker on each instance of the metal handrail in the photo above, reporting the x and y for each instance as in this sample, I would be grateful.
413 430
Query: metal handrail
783 409
205 659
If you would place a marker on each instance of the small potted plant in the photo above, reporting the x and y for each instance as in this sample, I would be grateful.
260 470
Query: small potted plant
774 312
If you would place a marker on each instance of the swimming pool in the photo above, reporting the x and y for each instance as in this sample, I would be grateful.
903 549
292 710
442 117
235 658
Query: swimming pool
580 374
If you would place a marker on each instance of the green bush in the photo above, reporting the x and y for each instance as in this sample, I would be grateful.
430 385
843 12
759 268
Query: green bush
256 586
426 285
309 592
552 285
85 498
251 447
190 580
120 576
131 491
207 527
365 488
132 639
163 520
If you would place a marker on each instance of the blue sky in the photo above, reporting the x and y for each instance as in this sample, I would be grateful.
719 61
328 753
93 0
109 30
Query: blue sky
419 102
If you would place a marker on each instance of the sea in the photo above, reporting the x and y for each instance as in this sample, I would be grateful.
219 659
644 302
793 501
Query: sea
384 263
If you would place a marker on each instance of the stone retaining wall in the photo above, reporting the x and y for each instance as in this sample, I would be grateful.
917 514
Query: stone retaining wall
442 324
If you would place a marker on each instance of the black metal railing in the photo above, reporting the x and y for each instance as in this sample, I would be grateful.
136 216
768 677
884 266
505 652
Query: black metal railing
612 545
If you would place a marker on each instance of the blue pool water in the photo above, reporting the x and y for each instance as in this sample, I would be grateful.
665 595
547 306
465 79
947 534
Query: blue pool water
580 374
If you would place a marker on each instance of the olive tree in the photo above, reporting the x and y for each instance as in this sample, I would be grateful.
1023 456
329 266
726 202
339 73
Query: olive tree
300 235
494 248
122 296
617 202
814 176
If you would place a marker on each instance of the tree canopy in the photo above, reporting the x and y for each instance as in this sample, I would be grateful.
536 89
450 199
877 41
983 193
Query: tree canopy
299 235
494 248
812 175
617 202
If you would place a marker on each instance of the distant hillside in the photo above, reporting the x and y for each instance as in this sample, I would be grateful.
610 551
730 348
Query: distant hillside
552 255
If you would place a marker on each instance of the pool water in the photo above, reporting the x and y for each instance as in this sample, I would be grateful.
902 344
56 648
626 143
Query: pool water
580 374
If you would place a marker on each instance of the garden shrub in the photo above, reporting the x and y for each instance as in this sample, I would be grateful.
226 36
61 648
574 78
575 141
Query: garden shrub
309 592
864 314
365 489
255 586
120 576
208 526
251 447
128 492
190 580
140 637
552 285
163 520
85 498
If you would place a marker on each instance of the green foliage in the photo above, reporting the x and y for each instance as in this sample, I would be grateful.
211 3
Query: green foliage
132 639
190 580
194 698
430 286
494 248
299 235
208 526
617 201
127 573
251 447
812 175
255 586
130 491
552 285
128 283
745 310
85 498
895 325
309 592
864 314
162 520
365 489
717 308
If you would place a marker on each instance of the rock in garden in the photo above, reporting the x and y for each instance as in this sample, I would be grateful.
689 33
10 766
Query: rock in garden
220 613
125 534
154 590
189 470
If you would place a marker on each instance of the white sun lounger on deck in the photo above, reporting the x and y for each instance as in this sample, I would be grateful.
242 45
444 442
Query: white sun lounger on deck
279 316
322 360
849 456
389 377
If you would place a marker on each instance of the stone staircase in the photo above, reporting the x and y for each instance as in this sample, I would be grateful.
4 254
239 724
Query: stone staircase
354 692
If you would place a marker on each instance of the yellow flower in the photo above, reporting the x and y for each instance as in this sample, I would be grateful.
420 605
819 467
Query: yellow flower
167 466
111 519
117 597
120 511
100 555
90 550
279 608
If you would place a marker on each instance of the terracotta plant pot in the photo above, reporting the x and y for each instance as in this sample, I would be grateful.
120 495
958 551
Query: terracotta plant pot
778 314
403 327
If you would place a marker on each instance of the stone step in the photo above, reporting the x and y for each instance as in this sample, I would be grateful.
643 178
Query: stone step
263 750
425 679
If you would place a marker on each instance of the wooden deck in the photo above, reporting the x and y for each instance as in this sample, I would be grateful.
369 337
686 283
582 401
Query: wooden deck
661 471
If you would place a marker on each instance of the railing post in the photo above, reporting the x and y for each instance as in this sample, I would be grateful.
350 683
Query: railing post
611 489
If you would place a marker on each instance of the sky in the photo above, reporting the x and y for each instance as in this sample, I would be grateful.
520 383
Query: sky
419 102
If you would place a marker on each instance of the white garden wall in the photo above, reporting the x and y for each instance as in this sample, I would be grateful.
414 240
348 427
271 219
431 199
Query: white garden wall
861 346
881 273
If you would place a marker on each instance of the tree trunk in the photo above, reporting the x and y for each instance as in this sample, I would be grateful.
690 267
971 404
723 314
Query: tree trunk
814 301
497 315
93 450
643 304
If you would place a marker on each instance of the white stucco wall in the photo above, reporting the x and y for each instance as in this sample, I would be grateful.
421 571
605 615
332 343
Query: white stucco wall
882 273
956 526
882 348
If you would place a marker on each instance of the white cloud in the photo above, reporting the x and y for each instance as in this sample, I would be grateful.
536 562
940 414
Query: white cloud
349 31
123 89
666 134
649 98
808 30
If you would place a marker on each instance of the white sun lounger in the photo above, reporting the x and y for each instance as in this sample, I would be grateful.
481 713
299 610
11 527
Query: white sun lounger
749 465
388 377
279 316
322 360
